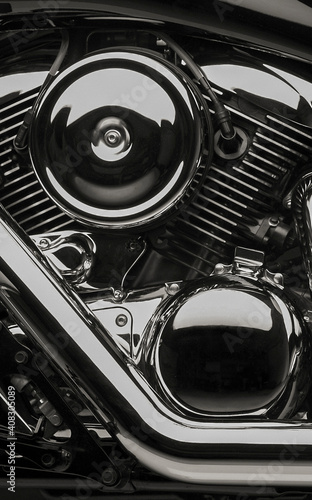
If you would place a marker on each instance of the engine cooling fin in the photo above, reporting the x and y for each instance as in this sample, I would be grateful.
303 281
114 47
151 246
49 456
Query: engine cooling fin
21 193
226 211
230 208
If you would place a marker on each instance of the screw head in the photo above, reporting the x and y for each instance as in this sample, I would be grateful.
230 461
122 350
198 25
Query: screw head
44 243
121 320
219 269
172 288
118 295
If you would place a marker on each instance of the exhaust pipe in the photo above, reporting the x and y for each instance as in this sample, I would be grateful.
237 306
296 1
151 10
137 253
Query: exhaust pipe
72 338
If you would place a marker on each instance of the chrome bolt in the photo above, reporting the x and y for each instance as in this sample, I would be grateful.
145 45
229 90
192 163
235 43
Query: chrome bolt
44 243
219 269
121 320
21 357
173 288
118 295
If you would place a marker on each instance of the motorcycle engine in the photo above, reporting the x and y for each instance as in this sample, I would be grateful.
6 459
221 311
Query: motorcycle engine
184 247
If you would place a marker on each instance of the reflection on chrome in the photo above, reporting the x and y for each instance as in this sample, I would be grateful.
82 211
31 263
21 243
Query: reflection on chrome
155 245
128 152
242 352
115 388
265 86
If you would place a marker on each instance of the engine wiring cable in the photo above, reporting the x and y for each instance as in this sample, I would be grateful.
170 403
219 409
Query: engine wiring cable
19 141
222 115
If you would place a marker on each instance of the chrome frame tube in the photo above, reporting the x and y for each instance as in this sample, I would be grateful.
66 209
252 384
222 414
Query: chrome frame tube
73 340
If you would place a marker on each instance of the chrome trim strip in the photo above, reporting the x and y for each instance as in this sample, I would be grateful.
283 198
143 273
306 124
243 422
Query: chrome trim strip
65 329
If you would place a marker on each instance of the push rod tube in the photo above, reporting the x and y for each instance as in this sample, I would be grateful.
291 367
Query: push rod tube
64 329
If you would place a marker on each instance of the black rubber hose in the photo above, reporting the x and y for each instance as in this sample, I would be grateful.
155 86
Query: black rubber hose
222 115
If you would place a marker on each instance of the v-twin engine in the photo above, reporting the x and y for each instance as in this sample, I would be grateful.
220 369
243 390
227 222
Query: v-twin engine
155 270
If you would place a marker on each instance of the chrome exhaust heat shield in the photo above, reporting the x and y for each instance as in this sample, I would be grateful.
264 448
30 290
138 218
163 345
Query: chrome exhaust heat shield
61 326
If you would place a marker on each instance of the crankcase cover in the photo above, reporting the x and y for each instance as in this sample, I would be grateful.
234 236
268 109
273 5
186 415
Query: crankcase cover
232 347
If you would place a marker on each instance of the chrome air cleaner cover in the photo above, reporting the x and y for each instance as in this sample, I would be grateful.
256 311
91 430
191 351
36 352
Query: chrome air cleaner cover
230 347
118 138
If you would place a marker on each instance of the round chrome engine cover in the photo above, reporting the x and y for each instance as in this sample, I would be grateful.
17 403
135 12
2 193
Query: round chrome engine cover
231 347
118 138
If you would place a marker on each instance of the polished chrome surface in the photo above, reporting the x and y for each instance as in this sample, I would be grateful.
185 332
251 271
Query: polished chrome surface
107 350
138 306
118 137
73 254
266 86
61 326
230 346
79 256
284 472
